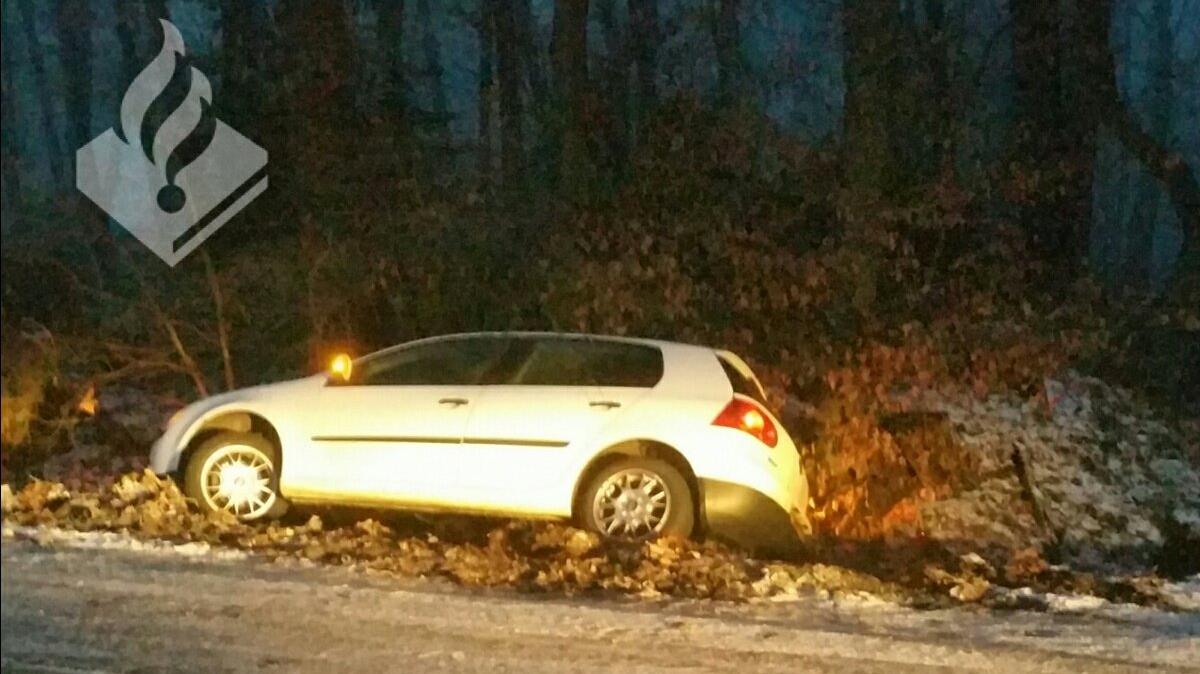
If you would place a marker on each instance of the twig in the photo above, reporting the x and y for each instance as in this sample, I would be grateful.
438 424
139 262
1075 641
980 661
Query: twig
189 364
222 326
137 368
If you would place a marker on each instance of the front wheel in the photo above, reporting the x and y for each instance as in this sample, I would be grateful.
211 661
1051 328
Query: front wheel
638 498
235 473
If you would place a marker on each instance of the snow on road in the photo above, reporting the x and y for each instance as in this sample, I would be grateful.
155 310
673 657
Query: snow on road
90 602
110 540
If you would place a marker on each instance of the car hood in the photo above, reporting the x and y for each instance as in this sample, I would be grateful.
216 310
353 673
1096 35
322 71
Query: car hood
266 392
259 399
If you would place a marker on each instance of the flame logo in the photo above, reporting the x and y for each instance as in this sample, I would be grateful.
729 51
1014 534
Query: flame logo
169 171
169 127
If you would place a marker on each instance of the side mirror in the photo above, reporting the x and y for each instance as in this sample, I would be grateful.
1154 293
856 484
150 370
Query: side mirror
340 368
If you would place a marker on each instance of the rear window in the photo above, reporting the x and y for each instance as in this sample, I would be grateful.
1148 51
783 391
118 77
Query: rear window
741 383
586 362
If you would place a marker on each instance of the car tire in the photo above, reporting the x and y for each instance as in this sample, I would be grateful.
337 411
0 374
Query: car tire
639 480
236 472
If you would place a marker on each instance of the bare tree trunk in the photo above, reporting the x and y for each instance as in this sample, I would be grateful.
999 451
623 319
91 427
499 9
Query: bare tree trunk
318 55
395 84
129 23
1139 260
10 164
1038 44
616 86
1050 132
73 23
73 27
45 103
932 136
157 9
527 51
433 70
727 40
643 43
313 106
569 52
1101 103
874 106
214 286
245 36
487 45
508 68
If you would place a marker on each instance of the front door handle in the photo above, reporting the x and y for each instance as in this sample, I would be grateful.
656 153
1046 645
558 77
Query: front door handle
456 402
607 404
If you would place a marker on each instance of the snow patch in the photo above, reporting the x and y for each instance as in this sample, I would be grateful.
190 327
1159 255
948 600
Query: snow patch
1073 603
1101 479
109 540
1184 594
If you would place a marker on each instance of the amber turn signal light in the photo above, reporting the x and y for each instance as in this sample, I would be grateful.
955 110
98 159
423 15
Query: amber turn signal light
341 366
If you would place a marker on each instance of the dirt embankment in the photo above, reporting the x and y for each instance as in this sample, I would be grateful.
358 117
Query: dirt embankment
938 497
548 557
1079 474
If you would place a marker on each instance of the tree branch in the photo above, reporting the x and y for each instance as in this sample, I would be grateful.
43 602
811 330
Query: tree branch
214 285
1166 165
189 365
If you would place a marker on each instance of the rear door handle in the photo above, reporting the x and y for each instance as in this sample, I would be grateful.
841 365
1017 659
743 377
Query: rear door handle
607 404
453 401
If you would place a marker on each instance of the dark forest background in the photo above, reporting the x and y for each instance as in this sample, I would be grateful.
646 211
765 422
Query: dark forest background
861 196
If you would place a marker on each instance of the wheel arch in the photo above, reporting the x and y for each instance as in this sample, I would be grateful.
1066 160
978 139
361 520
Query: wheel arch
646 448
240 421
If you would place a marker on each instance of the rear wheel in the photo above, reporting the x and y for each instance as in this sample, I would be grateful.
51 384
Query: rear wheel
637 498
235 473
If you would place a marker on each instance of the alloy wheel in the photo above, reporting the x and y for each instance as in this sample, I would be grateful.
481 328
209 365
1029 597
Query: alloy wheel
237 479
632 503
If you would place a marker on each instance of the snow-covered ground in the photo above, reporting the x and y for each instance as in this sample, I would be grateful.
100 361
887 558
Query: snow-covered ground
102 601
1106 482
111 540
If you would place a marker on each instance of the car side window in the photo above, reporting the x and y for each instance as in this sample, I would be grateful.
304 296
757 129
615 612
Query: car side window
463 362
625 364
552 362
587 362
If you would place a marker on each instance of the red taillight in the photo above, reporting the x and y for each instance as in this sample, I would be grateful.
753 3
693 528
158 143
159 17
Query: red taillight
748 417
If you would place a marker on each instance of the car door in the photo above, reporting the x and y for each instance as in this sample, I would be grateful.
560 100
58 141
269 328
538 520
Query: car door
625 372
521 437
388 434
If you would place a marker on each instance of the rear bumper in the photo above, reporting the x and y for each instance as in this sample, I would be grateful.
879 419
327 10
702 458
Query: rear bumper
750 519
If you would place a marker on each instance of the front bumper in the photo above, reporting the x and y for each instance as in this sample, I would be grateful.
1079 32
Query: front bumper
163 458
751 520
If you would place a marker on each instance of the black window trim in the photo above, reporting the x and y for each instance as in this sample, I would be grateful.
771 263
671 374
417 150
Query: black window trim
358 363
661 366
525 342
518 346
733 374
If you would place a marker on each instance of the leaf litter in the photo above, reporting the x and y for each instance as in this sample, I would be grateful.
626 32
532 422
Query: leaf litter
536 556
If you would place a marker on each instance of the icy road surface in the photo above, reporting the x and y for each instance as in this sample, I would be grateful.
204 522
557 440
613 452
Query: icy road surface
73 609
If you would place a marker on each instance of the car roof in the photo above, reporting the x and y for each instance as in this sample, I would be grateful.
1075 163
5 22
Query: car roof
686 365
569 335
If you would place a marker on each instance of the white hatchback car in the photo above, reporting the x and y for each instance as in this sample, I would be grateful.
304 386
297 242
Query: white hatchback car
630 437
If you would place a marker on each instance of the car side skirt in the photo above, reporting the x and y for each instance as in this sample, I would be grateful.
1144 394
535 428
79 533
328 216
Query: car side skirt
382 502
